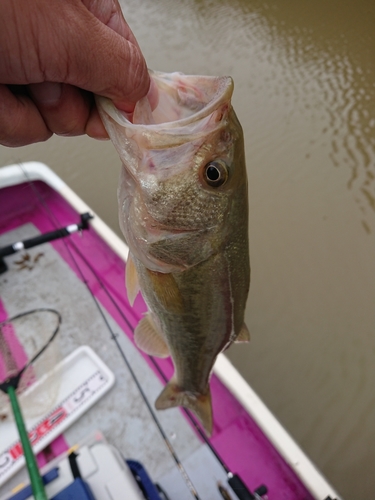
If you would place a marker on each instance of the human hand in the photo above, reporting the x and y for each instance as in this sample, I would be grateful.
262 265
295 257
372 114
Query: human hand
53 56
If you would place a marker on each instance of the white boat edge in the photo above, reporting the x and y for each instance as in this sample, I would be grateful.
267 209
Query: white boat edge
309 474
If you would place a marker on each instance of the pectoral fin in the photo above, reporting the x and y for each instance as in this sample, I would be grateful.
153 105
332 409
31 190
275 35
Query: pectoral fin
149 339
172 395
244 335
131 280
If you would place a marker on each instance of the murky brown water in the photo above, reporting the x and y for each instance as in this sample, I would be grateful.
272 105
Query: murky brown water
304 77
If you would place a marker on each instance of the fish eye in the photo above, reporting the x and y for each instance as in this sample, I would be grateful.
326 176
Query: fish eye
215 173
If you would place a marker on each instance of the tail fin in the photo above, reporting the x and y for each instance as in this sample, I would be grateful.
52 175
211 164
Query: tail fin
172 395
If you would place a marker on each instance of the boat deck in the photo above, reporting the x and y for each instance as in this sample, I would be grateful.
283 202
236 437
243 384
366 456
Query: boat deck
80 275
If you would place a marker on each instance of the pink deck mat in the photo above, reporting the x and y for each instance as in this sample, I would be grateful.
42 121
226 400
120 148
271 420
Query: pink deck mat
237 439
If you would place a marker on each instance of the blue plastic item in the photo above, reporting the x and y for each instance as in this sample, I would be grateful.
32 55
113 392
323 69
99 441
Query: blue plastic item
144 482
78 489
26 492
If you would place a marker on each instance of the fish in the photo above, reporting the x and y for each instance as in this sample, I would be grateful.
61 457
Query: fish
183 210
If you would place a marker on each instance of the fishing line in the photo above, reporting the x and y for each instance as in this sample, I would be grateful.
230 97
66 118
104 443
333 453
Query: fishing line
114 337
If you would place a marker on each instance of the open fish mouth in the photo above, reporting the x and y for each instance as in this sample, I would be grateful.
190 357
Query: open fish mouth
183 99
189 108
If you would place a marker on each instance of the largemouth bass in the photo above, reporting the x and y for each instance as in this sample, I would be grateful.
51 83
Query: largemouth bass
183 210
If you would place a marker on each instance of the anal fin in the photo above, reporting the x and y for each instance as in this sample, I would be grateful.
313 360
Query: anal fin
149 339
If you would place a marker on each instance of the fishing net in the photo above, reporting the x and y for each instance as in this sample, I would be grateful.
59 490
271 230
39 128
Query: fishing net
25 358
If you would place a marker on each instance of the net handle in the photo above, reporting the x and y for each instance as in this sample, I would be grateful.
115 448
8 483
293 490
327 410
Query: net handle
32 467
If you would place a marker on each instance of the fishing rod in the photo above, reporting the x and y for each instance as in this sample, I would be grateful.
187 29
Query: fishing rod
62 232
234 480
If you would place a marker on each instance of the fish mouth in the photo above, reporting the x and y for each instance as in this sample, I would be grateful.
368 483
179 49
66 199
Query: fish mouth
183 100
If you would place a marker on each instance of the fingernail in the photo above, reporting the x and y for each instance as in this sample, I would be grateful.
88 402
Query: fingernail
47 93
